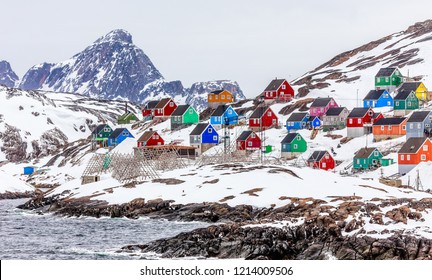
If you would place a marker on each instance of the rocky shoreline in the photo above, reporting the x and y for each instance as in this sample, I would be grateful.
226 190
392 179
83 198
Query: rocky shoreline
305 228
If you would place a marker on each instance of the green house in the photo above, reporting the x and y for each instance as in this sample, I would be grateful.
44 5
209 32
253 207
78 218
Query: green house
127 118
292 145
184 115
388 78
100 135
367 158
405 102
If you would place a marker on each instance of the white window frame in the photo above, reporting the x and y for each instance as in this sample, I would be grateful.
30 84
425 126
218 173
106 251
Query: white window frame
350 121
283 87
171 104
402 157
376 153
249 143
215 138
210 130
382 128
423 157
295 146
408 157
359 121
425 148
324 165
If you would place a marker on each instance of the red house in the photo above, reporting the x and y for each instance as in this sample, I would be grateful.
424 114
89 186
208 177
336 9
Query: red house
262 118
149 108
150 138
164 108
248 140
321 160
360 121
279 90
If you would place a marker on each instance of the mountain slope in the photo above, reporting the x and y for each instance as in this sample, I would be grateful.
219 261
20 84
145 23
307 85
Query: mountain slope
353 70
113 68
7 75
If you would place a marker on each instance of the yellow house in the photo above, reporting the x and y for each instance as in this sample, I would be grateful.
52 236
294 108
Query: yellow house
418 87
219 97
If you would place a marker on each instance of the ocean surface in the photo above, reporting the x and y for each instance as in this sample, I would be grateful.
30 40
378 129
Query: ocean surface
28 235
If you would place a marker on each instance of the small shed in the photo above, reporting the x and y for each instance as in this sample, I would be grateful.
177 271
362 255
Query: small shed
28 170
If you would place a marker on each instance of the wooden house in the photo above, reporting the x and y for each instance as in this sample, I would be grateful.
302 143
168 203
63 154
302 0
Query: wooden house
127 118
367 158
377 98
419 124
388 79
100 135
224 115
278 90
148 109
320 106
335 118
313 122
418 88
219 97
262 118
297 121
321 160
203 137
360 121
414 151
405 102
248 140
389 128
150 138
293 145
165 108
117 136
184 115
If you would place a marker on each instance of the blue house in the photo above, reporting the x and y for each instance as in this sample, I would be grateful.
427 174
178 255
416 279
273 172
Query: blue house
313 122
419 124
377 98
297 121
204 133
117 136
224 115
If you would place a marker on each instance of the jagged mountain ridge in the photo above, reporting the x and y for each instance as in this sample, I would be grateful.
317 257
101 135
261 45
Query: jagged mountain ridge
7 75
353 70
112 68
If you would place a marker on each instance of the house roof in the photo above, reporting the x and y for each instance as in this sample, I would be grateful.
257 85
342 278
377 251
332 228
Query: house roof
316 156
311 118
297 117
335 111
412 145
418 116
375 115
146 136
274 85
409 86
199 129
389 121
374 95
402 95
364 152
385 72
259 112
116 133
321 102
289 137
217 91
99 128
220 110
180 110
358 112
151 104
163 103
125 115
244 135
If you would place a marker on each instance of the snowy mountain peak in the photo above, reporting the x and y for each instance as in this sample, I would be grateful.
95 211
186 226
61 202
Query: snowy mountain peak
117 35
7 75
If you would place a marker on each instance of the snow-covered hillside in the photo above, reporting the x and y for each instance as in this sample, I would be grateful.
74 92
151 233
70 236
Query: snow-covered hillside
9 183
353 71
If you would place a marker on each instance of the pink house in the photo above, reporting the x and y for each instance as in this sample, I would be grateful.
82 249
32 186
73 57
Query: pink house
320 106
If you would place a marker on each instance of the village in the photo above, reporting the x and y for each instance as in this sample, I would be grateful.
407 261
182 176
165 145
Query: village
242 132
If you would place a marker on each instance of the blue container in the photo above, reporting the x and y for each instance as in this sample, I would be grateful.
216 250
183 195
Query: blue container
28 170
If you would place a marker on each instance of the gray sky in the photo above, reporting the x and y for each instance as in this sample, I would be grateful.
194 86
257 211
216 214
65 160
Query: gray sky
249 41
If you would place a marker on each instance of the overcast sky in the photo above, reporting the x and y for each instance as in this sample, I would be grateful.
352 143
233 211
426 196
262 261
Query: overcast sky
248 41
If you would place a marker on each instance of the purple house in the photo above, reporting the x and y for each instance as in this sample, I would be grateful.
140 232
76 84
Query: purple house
320 106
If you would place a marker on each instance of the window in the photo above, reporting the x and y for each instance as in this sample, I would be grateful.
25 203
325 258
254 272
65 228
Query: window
425 148
269 114
386 79
390 127
376 153
154 136
295 146
253 135
408 157
382 128
397 103
324 165
404 127
125 134
378 80
230 111
409 103
210 130
249 143
106 129
423 157
350 121
282 93
402 157
210 97
427 125
190 111
385 95
298 138
171 104
222 96
419 125
358 161
157 136
283 86
216 97
359 121
388 103
411 125
215 138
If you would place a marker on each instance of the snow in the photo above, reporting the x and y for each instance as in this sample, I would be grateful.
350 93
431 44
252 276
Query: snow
9 183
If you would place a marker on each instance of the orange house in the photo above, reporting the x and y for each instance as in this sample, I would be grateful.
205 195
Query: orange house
219 97
414 151
389 128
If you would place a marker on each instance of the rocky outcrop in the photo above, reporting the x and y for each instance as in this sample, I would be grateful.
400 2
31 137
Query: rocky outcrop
16 195
7 75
